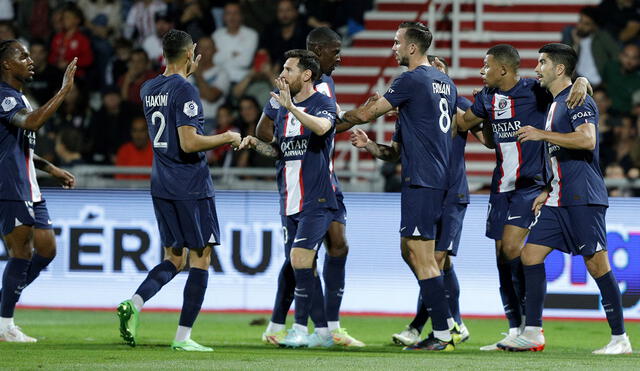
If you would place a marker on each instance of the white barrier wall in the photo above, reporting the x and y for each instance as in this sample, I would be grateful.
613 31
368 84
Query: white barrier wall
107 240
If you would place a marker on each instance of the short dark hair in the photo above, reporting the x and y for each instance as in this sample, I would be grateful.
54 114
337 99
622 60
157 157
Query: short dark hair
561 54
75 10
321 36
6 48
506 54
140 51
307 60
72 140
592 12
419 34
432 58
174 44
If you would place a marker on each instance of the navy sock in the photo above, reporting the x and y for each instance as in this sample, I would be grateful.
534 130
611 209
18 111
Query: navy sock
517 276
333 274
305 282
509 298
13 281
432 291
38 263
536 285
452 290
317 311
156 278
193 296
422 315
284 295
612 302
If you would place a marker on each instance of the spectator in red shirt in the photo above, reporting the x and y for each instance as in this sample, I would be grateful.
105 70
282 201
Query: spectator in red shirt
139 71
71 42
138 151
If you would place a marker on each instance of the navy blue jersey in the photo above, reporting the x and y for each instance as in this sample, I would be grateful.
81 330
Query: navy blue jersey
17 173
458 170
170 102
577 179
426 101
326 86
518 165
304 166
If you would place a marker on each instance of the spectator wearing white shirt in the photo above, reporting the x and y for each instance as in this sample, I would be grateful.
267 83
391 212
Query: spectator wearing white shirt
211 80
141 19
153 43
236 43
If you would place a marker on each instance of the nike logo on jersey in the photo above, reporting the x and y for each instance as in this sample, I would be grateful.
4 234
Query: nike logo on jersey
581 246
402 229
513 217
299 239
49 222
500 113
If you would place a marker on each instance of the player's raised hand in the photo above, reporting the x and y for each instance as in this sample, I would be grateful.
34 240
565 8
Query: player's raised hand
578 94
248 142
284 95
539 202
359 138
234 138
65 178
69 73
529 133
194 65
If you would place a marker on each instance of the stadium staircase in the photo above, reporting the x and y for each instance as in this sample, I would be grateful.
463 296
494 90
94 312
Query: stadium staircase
368 64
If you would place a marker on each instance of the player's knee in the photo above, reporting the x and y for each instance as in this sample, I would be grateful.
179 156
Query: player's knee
302 258
338 249
530 256
597 264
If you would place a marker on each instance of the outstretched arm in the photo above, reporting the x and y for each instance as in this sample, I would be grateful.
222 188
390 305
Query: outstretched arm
265 149
65 178
191 141
383 152
373 108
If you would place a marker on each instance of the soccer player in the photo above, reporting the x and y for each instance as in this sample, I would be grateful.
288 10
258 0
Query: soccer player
426 101
450 228
326 44
506 103
24 218
570 213
181 189
303 139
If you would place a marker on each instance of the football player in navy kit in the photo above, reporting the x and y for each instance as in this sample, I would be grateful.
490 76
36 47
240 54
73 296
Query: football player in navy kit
24 219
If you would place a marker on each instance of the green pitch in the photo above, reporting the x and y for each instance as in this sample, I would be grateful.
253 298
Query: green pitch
80 340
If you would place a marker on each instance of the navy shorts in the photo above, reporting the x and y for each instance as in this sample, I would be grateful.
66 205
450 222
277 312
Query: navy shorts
450 227
421 211
340 215
576 230
512 208
16 213
187 223
306 229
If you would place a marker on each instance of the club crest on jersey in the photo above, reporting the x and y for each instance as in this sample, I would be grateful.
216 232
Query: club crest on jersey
190 109
503 107
274 103
9 103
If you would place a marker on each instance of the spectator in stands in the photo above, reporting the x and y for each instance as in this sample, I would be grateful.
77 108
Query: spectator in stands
195 19
249 113
626 134
118 64
102 49
595 47
392 173
622 78
258 83
140 21
615 171
71 42
153 43
74 111
138 151
47 79
606 124
139 70
236 44
111 9
622 18
212 81
289 32
30 16
69 147
223 156
110 126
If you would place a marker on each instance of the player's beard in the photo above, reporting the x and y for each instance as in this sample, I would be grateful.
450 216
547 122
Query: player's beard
295 87
403 61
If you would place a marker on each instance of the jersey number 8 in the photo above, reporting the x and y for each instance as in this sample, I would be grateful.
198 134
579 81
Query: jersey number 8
445 120
156 140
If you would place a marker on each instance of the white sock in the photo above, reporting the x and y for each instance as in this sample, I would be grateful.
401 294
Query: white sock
183 333
137 301
275 327
6 322
444 335
451 323
619 337
333 325
514 331
301 328
533 329
462 327
323 331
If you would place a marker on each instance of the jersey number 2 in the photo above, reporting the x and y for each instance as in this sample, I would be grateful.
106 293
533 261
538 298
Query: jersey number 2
156 140
445 120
